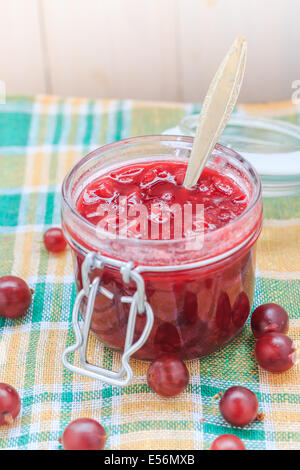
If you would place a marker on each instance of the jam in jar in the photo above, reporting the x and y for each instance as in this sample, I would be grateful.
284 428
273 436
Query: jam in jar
200 288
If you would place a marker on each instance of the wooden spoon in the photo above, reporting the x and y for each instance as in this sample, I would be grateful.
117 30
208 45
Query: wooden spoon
217 108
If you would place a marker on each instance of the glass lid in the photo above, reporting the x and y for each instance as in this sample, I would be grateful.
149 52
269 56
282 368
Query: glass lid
270 145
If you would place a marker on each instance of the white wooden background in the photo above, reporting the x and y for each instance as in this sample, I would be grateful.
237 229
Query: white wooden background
146 49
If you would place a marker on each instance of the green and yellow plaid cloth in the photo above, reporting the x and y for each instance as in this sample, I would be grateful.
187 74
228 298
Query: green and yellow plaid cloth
40 139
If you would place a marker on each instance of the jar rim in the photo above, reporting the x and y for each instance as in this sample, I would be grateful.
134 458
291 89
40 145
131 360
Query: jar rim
137 242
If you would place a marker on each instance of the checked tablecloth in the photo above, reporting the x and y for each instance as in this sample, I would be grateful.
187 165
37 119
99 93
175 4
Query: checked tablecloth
40 139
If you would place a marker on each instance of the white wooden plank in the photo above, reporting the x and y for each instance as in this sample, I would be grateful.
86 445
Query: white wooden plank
21 58
112 48
128 48
208 27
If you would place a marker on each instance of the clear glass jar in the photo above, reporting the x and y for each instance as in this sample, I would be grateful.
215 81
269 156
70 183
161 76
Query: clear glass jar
272 146
200 297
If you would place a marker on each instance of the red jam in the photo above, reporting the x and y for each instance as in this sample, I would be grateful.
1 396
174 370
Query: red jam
195 310
160 183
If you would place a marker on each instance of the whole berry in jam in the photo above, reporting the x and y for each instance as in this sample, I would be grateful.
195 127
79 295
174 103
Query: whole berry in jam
54 240
84 434
228 442
275 352
168 376
10 404
15 297
239 406
269 318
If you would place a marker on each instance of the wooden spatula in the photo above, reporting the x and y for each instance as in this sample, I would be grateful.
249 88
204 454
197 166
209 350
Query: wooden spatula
217 108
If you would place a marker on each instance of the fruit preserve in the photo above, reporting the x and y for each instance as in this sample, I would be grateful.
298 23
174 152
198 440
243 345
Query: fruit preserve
198 276
157 185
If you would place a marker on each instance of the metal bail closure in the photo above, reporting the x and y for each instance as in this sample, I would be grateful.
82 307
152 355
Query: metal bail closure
138 305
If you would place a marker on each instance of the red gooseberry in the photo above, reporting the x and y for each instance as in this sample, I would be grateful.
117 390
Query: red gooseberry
228 442
10 404
239 406
84 434
275 352
168 375
269 318
15 297
54 240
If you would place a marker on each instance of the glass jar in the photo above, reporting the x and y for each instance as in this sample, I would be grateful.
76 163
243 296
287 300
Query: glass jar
272 146
200 297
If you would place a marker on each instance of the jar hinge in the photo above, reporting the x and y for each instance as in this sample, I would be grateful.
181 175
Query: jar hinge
90 290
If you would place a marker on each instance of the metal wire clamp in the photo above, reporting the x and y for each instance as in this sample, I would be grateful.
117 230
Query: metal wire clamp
138 303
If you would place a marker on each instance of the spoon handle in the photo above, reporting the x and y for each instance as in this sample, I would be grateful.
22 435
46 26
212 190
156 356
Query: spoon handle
217 108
